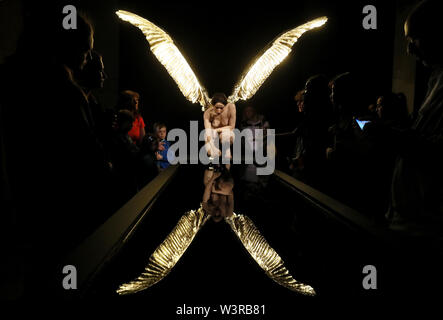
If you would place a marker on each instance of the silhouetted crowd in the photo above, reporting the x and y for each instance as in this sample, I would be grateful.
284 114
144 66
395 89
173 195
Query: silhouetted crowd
376 158
338 148
71 162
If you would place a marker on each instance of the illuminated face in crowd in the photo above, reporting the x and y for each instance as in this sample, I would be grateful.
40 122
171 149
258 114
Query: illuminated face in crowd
161 133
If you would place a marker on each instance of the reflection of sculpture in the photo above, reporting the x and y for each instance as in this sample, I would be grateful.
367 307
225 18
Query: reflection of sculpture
218 198
174 246
218 202
219 118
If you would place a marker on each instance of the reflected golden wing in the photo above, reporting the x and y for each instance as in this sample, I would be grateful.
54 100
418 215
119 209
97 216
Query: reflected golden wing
266 257
262 67
170 57
168 253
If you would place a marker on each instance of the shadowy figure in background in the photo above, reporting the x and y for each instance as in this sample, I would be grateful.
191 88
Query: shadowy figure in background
313 131
416 205
253 185
391 109
348 154
91 78
343 99
133 166
296 165
58 164
130 100
148 169
124 155
372 111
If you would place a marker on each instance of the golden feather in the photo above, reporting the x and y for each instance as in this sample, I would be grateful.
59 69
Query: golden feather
168 252
170 57
262 67
266 257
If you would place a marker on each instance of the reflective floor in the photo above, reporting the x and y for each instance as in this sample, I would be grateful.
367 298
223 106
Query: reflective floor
216 269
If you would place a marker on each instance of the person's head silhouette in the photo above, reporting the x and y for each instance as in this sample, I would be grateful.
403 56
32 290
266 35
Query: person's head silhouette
93 74
423 31
73 46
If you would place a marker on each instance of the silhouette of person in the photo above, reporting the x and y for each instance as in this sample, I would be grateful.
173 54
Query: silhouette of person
416 205
90 78
58 164
130 100
314 128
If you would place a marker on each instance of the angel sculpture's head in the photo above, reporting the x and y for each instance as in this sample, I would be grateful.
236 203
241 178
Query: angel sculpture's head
219 101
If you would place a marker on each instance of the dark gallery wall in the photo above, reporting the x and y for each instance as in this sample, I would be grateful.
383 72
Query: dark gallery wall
11 26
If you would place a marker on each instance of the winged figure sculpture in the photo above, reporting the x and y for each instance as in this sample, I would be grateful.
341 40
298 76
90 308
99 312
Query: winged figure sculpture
174 246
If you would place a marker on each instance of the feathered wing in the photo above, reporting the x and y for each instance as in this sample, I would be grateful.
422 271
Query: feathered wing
266 257
262 67
168 253
170 57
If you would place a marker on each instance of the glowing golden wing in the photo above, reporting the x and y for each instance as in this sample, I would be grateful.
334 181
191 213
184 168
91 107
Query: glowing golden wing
168 252
266 257
262 67
170 57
